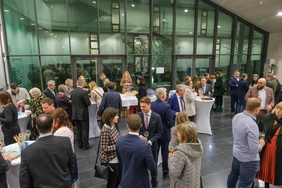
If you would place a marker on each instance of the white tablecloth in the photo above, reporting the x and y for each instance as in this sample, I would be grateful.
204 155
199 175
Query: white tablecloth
202 118
128 101
94 130
23 120
14 171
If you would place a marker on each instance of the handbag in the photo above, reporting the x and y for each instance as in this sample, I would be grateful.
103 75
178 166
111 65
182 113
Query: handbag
101 171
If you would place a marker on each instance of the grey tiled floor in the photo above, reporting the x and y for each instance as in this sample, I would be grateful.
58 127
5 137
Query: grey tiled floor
216 159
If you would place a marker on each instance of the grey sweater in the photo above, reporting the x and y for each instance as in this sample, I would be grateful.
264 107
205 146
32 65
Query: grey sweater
185 166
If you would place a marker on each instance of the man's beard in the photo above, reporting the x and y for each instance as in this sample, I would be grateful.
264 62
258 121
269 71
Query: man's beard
260 88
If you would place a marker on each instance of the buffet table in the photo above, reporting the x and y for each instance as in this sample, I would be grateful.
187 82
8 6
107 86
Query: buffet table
23 120
131 100
202 118
94 130
14 171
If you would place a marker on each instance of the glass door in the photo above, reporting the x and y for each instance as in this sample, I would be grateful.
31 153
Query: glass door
184 68
91 67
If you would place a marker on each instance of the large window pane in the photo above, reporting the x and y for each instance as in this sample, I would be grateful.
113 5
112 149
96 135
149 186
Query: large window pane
224 34
184 66
52 27
56 68
242 38
25 71
162 70
20 27
184 45
138 16
111 38
240 63
205 28
222 64
83 26
202 66
255 65
137 44
257 42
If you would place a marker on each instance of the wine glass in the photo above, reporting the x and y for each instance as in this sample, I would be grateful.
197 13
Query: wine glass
171 149
27 133
261 135
146 134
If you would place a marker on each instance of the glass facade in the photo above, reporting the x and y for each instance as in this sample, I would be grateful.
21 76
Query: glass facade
161 40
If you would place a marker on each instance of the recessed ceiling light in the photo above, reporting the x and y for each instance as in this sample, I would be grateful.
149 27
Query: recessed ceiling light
32 24
164 20
190 33
21 18
260 2
51 34
94 2
219 26
6 11
39 28
186 10
279 13
122 14
59 38
46 31
133 5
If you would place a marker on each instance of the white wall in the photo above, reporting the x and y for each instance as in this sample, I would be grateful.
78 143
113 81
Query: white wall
274 51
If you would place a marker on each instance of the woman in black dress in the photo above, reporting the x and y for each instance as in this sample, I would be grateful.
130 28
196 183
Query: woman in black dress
9 118
142 91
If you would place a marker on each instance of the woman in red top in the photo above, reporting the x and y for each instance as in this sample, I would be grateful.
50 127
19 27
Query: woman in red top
271 155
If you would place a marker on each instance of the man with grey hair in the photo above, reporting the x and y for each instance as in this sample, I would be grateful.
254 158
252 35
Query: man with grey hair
163 109
50 91
264 93
176 101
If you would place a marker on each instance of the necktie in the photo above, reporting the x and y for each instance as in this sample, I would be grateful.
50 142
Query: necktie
146 120
204 89
182 103
53 92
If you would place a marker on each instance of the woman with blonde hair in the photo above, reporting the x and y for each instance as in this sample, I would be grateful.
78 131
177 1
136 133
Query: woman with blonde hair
106 82
189 98
101 80
85 87
96 93
126 82
270 163
185 162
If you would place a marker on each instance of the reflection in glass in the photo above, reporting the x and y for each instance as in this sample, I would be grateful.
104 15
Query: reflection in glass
202 67
25 71
239 63
224 33
138 17
183 69
258 40
88 69
242 38
138 66
20 27
255 65
162 72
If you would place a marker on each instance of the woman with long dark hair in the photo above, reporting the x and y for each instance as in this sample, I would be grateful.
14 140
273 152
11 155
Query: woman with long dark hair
142 91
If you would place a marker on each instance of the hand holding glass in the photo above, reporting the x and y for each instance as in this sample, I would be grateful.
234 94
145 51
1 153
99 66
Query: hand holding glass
261 135
146 134
27 133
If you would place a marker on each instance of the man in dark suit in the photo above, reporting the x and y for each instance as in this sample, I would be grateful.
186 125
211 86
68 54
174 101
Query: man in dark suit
176 101
110 99
135 156
204 88
50 91
80 116
233 87
163 109
150 131
49 161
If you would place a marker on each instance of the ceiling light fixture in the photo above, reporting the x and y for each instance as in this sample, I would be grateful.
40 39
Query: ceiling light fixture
164 20
6 11
260 2
186 10
279 13
133 5
94 2
21 18
219 26
32 24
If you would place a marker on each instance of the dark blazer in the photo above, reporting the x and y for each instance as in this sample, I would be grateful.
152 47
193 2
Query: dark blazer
174 105
135 157
142 92
208 89
219 87
243 87
49 94
233 86
163 109
48 162
110 99
4 166
80 102
155 128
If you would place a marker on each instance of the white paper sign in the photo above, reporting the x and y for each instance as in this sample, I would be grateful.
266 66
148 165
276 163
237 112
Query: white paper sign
160 70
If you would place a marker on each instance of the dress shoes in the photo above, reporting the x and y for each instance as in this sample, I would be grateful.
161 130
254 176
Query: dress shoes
89 147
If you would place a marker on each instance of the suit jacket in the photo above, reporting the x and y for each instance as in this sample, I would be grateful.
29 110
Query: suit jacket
49 94
110 99
155 128
273 85
174 105
47 163
233 85
243 87
163 109
4 166
208 89
135 157
253 92
80 102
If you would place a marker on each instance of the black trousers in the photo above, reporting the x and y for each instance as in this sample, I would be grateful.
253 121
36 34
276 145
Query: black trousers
9 134
218 101
154 174
233 101
82 133
163 144
114 176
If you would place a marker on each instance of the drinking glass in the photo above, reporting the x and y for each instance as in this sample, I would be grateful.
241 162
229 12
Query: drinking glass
146 134
171 149
261 135
27 133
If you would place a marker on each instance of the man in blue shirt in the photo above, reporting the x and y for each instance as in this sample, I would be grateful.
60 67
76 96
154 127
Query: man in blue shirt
247 146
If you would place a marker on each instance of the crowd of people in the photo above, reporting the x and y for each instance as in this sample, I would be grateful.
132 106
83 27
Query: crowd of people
166 124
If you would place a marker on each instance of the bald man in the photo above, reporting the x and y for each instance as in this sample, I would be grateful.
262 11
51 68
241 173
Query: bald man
264 93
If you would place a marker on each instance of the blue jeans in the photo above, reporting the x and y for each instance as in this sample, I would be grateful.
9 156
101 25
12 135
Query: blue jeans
244 171
241 105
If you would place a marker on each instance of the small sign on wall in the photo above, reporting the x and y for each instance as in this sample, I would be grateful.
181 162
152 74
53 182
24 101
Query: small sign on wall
160 70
